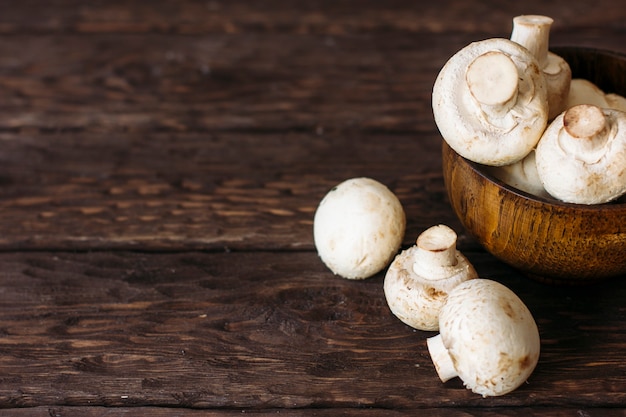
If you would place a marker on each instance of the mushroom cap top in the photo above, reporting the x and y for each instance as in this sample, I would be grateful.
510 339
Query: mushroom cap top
490 336
581 157
358 228
490 102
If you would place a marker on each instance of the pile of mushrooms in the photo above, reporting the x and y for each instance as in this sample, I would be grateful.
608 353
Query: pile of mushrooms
512 105
487 337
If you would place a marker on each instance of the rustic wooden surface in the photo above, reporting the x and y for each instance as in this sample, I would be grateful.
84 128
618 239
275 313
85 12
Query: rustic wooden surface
160 165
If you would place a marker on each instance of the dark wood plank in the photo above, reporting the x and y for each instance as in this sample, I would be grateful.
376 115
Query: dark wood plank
123 83
201 191
324 16
268 330
218 126
141 82
336 412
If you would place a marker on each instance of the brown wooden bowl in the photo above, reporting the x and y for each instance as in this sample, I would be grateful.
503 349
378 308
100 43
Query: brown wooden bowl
550 240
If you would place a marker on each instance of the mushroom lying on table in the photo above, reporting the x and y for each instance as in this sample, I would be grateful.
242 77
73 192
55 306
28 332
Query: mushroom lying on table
358 228
490 102
488 338
419 279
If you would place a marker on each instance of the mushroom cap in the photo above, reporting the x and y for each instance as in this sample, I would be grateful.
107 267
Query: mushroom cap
616 101
490 336
416 300
522 175
358 228
582 155
475 127
583 91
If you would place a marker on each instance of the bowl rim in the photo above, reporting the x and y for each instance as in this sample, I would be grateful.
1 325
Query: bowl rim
479 169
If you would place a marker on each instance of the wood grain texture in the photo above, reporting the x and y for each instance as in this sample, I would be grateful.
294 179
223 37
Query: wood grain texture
200 191
324 16
160 164
559 243
336 412
264 331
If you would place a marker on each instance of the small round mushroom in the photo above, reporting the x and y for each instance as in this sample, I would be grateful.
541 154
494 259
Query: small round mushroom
490 102
533 33
419 279
582 155
358 228
487 337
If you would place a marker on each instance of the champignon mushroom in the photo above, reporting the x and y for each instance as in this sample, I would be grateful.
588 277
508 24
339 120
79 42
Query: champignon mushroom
533 33
616 101
583 91
419 279
581 157
358 228
487 337
522 175
490 102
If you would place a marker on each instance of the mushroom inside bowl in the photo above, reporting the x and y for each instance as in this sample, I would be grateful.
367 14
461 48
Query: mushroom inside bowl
548 239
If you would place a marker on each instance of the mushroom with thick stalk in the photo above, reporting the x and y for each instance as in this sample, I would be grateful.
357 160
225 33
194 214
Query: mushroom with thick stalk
581 157
490 102
533 33
420 278
358 228
488 338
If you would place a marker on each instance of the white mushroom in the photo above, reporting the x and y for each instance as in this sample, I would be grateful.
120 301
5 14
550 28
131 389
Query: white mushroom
583 91
616 101
522 175
581 157
358 228
488 338
533 33
490 102
419 279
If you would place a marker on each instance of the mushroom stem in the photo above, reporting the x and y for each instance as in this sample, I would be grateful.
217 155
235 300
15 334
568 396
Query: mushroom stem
436 252
493 81
586 129
533 32
441 358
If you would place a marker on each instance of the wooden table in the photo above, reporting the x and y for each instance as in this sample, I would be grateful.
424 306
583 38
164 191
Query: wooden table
160 165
